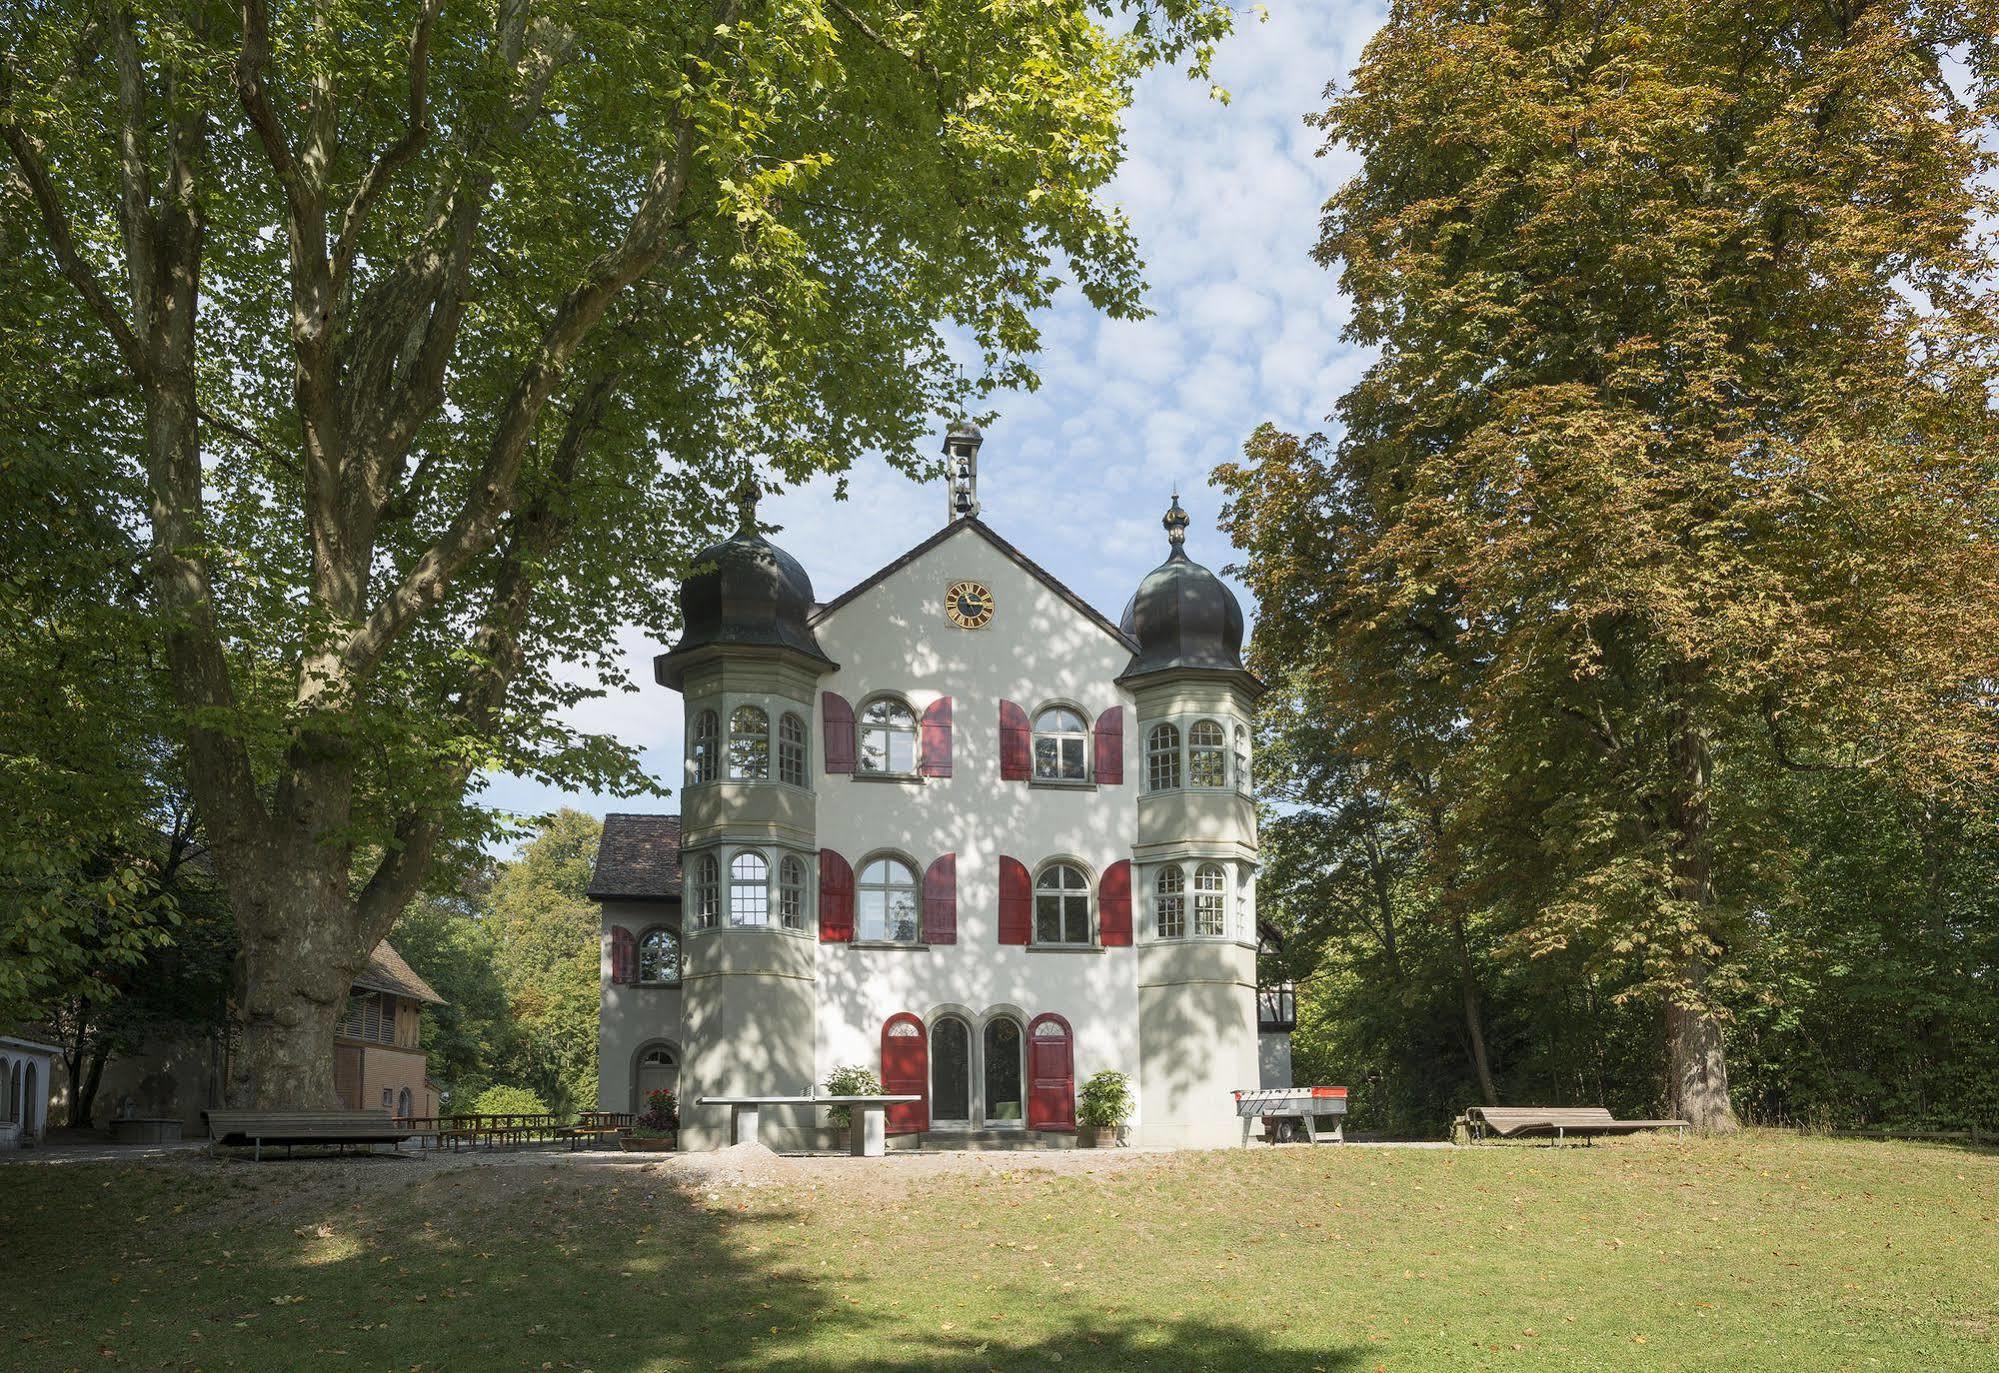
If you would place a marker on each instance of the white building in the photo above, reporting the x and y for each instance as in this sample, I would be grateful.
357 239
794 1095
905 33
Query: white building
954 825
26 1071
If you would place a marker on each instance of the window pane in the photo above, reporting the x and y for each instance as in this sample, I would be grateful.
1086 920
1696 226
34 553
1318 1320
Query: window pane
659 957
887 741
1207 765
749 890
703 747
1210 917
1162 752
749 743
791 751
1048 919
886 906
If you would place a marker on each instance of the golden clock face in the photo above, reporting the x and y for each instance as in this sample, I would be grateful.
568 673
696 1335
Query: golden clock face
968 605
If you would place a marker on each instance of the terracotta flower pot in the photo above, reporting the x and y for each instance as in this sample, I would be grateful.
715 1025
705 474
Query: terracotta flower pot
1100 1136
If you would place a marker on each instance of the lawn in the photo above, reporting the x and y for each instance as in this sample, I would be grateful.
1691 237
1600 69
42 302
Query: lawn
1765 1252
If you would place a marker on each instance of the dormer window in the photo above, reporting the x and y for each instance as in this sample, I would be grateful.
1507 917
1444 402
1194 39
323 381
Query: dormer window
886 735
1061 746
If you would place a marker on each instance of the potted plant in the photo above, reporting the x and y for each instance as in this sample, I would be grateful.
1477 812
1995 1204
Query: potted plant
658 1130
1102 1107
851 1080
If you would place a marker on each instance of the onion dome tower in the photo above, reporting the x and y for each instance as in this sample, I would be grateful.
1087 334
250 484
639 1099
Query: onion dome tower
748 667
1196 856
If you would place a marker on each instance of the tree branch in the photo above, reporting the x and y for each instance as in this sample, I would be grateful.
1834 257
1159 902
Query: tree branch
251 59
393 158
29 157
477 525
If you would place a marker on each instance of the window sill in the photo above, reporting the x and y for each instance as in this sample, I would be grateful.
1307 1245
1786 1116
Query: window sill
906 778
1059 784
699 930
912 946
1064 948
657 986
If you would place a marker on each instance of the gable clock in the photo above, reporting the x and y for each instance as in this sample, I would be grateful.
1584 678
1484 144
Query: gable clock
968 605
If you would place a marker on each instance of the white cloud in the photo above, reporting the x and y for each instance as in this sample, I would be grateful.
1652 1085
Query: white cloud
1225 202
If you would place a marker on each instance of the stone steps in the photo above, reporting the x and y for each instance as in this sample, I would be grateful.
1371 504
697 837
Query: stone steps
984 1141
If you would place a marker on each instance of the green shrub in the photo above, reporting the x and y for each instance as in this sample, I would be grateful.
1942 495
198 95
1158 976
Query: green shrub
1104 1100
506 1101
851 1080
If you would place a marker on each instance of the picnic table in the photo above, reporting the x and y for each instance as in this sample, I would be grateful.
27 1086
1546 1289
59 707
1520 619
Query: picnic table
593 1126
868 1137
255 1129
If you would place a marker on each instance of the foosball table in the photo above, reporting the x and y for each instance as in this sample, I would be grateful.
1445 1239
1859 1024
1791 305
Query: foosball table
1308 1105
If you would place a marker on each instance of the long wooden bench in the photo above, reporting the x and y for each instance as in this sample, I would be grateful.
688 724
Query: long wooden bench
255 1129
1583 1122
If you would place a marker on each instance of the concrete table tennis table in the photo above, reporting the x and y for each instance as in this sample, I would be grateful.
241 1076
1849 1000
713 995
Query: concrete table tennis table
867 1136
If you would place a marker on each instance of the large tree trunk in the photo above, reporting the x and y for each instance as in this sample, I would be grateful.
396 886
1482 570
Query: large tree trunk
300 951
1693 1030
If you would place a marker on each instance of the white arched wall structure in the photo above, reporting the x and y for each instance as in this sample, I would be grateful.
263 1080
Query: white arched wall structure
25 1073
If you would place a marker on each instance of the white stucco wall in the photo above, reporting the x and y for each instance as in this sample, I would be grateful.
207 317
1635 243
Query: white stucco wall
631 1017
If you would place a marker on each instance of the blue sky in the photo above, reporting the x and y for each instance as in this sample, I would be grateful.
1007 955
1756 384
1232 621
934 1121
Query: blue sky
1225 202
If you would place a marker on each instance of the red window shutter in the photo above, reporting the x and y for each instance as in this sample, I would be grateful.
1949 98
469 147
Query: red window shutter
837 732
1114 905
624 956
836 899
936 760
1110 747
940 901
1016 913
1016 744
906 1072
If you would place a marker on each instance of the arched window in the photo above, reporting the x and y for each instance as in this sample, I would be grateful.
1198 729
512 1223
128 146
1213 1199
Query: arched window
403 1103
702 746
887 736
885 901
1061 906
1162 758
707 892
1242 760
791 750
749 744
791 892
1061 746
1210 900
1207 755
1169 902
749 889
659 957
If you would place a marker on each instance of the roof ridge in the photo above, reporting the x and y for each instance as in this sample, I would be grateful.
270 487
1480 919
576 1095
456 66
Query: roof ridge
998 541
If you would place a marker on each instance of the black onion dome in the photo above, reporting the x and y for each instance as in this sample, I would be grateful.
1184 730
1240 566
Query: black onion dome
745 592
1184 616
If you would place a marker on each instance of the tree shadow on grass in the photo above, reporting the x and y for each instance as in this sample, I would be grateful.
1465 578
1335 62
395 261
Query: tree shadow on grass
533 1268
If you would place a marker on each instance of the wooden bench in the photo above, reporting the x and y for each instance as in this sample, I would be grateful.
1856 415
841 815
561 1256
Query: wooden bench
255 1129
1584 1122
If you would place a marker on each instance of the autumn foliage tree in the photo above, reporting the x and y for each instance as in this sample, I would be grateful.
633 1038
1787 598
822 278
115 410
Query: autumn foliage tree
1677 462
439 327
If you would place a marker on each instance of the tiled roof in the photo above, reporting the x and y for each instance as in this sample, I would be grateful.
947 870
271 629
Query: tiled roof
386 972
638 859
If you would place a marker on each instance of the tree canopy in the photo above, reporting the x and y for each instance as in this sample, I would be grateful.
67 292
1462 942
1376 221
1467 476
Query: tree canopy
428 340
1674 472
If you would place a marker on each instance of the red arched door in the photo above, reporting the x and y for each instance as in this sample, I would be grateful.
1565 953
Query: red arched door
905 1071
1051 1074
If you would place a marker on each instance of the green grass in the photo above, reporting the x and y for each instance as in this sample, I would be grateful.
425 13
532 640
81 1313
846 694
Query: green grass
1765 1252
